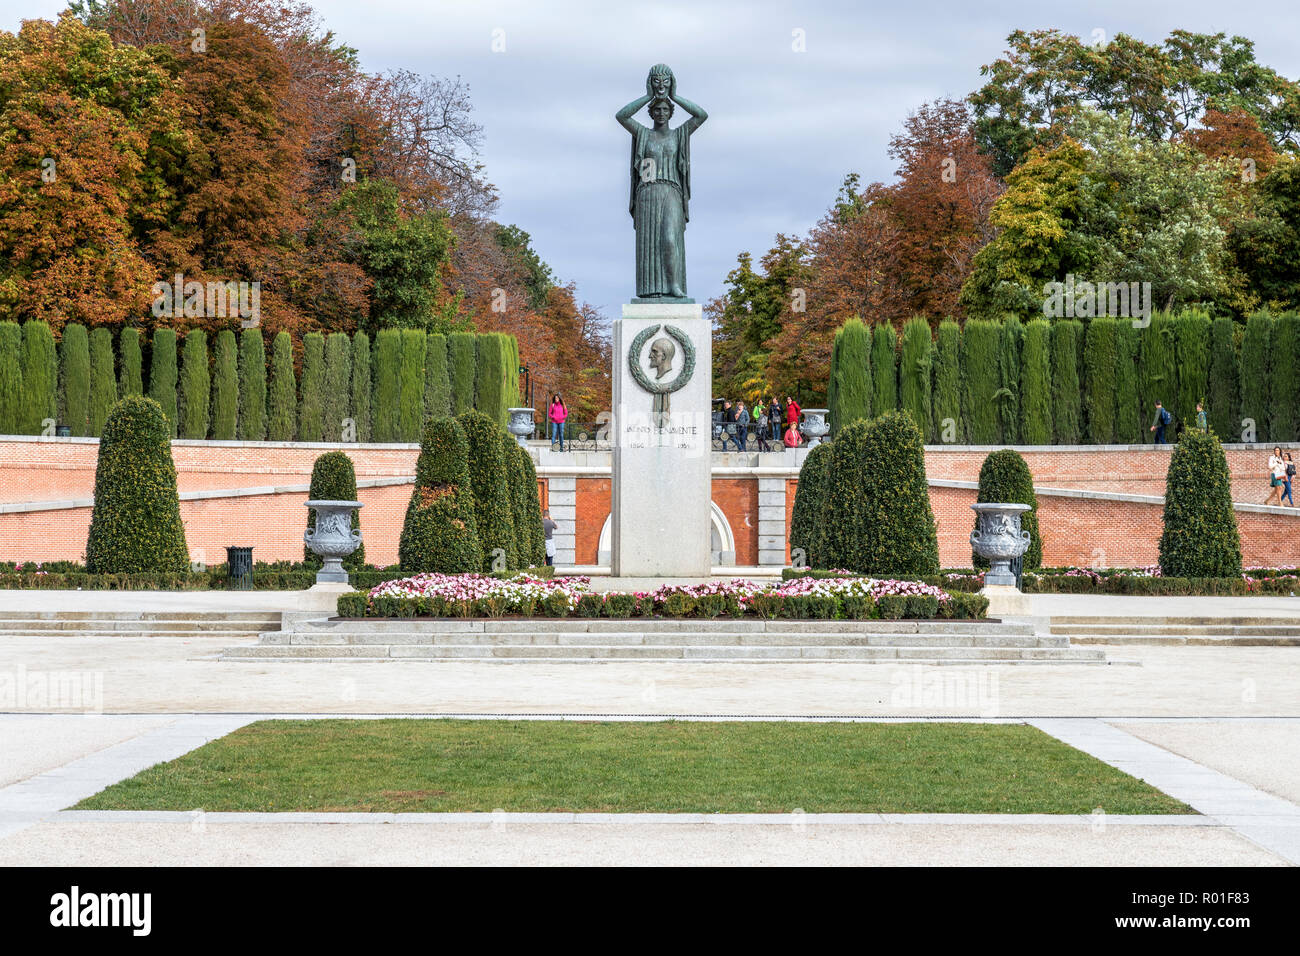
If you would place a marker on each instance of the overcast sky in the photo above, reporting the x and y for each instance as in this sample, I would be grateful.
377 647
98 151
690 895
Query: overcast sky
784 126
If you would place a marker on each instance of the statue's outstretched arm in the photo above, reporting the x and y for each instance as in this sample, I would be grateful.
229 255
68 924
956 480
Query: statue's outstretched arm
698 116
624 116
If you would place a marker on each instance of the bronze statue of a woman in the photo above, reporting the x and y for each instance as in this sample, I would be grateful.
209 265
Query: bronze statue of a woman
661 187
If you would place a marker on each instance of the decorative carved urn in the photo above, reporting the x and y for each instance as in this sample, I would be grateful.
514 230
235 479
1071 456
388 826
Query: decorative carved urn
333 538
998 539
814 425
521 425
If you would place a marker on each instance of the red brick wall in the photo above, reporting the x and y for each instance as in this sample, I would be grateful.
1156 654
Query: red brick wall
738 499
594 499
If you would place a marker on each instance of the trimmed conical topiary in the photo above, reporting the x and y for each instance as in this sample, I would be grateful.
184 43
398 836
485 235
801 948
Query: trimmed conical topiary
333 478
11 377
525 503
74 380
1200 538
282 402
252 385
533 509
40 377
1036 384
225 387
103 381
876 511
162 376
490 481
131 361
914 364
440 533
136 524
947 383
848 394
1005 477
361 385
806 514
196 386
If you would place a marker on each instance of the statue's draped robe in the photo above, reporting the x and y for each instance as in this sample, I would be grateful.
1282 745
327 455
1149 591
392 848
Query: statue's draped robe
660 209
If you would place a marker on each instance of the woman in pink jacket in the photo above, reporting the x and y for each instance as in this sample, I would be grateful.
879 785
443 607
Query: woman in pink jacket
557 413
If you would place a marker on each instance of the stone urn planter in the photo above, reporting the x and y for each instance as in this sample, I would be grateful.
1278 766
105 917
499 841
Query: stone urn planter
333 538
521 424
814 425
998 539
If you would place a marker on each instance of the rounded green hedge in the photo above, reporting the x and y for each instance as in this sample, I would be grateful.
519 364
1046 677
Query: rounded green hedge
1005 477
440 533
136 525
333 478
1200 538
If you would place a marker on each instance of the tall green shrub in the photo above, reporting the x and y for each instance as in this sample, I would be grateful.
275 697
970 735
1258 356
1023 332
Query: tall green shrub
410 415
103 380
252 385
196 386
876 511
1200 538
1192 356
489 378
440 533
1256 377
980 382
361 386
74 379
1284 389
39 378
162 375
884 369
387 401
1067 406
490 482
526 506
437 387
338 382
1099 386
1005 477
849 389
11 377
947 383
333 478
1011 346
806 515
311 403
136 527
536 554
132 363
282 403
1158 370
1036 421
1224 399
914 365
1128 405
462 359
225 387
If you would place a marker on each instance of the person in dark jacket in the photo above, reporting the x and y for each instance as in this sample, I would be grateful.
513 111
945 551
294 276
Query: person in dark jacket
1163 418
742 426
774 419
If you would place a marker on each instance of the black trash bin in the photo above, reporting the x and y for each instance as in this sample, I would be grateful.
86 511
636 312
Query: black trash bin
62 431
239 569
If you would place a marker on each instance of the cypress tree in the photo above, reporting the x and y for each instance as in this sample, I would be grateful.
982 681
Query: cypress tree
849 389
388 367
914 364
1099 386
196 386
132 367
136 527
162 375
74 379
1256 377
1284 390
884 369
979 374
338 383
1036 421
411 385
225 387
1224 399
333 478
361 385
282 405
490 482
1066 398
1010 348
519 513
1158 373
533 543
1128 406
947 383
437 387
1192 357
311 403
489 377
440 533
462 359
808 496
1200 538
11 377
39 377
512 396
833 385
1005 476
252 385
875 514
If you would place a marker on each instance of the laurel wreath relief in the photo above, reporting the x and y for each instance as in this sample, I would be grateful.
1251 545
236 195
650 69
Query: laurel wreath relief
639 373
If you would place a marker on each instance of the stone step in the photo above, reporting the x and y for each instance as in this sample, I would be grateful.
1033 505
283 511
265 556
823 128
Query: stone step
660 625
1160 621
165 628
1173 640
1225 630
55 615
656 638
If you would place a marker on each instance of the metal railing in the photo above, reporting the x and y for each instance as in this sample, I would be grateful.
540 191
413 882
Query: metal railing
594 436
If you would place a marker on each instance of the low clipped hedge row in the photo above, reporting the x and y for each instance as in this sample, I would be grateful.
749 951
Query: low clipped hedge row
1156 587
678 605
277 576
970 585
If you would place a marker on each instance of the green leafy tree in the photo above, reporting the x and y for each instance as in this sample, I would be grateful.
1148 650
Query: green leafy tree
252 385
884 369
74 379
947 383
361 385
1128 405
338 383
1200 538
979 373
136 527
196 386
282 404
132 372
225 387
437 386
11 377
333 478
1256 376
1005 477
1036 420
1225 380
387 401
1099 386
440 533
1284 389
1067 408
103 381
162 375
462 358
808 495
1266 245
914 369
410 398
490 482
849 390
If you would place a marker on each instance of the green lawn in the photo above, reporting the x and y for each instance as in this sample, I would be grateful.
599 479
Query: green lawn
673 767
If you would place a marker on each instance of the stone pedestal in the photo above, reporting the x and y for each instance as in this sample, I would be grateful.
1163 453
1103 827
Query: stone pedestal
1006 600
661 480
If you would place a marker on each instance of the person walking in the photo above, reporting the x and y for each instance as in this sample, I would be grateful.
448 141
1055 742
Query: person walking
1201 425
742 427
1289 478
774 419
557 414
1276 476
549 526
1163 418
